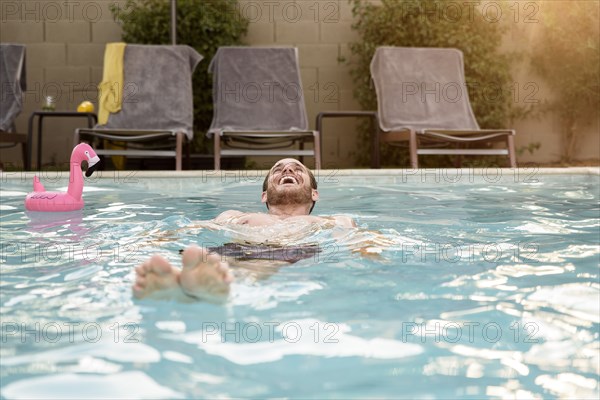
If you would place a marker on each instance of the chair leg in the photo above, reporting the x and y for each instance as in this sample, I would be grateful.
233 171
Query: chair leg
24 152
317 149
187 148
217 151
178 150
510 142
375 162
414 157
458 158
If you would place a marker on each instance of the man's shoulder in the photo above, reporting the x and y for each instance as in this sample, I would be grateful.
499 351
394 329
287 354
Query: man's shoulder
232 213
228 215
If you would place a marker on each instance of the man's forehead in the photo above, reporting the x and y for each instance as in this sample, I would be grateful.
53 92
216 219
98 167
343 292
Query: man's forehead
285 161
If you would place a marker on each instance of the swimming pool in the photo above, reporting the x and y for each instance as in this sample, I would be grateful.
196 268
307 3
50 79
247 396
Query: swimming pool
479 283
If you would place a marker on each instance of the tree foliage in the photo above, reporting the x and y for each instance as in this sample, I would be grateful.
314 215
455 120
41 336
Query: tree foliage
567 56
203 25
435 23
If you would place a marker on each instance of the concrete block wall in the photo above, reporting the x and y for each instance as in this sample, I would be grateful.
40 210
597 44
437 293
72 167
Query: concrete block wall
65 47
530 89
321 30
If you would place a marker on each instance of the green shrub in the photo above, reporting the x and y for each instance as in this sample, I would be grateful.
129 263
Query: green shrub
434 23
203 25
567 55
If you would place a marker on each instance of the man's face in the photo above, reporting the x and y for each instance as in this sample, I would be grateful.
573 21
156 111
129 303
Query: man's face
289 184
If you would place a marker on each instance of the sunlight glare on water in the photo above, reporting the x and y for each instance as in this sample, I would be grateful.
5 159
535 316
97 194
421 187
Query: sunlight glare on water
445 290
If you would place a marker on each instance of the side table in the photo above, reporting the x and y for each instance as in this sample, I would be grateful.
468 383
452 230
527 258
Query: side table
92 119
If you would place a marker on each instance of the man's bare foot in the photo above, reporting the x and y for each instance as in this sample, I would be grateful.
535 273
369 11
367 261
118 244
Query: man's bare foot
204 275
156 278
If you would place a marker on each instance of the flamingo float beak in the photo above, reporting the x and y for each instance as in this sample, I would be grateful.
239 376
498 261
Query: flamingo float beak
93 164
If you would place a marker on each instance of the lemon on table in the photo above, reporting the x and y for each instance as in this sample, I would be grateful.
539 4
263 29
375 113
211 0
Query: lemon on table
85 106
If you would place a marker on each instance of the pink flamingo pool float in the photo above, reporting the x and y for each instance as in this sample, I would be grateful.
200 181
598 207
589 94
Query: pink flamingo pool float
41 200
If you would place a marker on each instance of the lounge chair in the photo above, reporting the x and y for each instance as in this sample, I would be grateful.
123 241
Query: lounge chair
156 114
13 85
259 105
422 98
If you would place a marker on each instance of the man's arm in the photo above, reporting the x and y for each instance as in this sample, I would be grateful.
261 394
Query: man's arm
366 242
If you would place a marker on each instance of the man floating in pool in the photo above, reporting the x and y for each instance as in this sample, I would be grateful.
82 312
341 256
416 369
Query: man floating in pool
289 192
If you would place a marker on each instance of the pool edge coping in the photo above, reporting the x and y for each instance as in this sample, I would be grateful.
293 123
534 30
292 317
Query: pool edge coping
205 174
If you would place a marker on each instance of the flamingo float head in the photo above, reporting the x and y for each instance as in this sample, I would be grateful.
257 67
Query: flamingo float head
84 152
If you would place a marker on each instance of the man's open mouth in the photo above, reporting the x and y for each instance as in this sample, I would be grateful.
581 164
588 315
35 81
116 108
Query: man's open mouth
288 180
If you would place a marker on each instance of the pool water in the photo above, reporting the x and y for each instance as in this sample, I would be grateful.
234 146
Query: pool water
449 288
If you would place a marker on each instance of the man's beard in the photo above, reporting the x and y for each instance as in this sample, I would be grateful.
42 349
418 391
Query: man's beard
289 196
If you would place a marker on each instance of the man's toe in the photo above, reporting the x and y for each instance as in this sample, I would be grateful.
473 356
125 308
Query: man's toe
159 265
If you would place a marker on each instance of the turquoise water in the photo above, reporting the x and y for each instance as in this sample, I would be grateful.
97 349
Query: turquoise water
472 288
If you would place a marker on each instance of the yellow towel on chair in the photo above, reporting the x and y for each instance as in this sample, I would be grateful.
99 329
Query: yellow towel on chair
111 93
111 87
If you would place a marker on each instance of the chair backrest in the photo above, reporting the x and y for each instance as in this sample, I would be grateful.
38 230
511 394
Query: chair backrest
257 89
421 88
12 83
157 89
